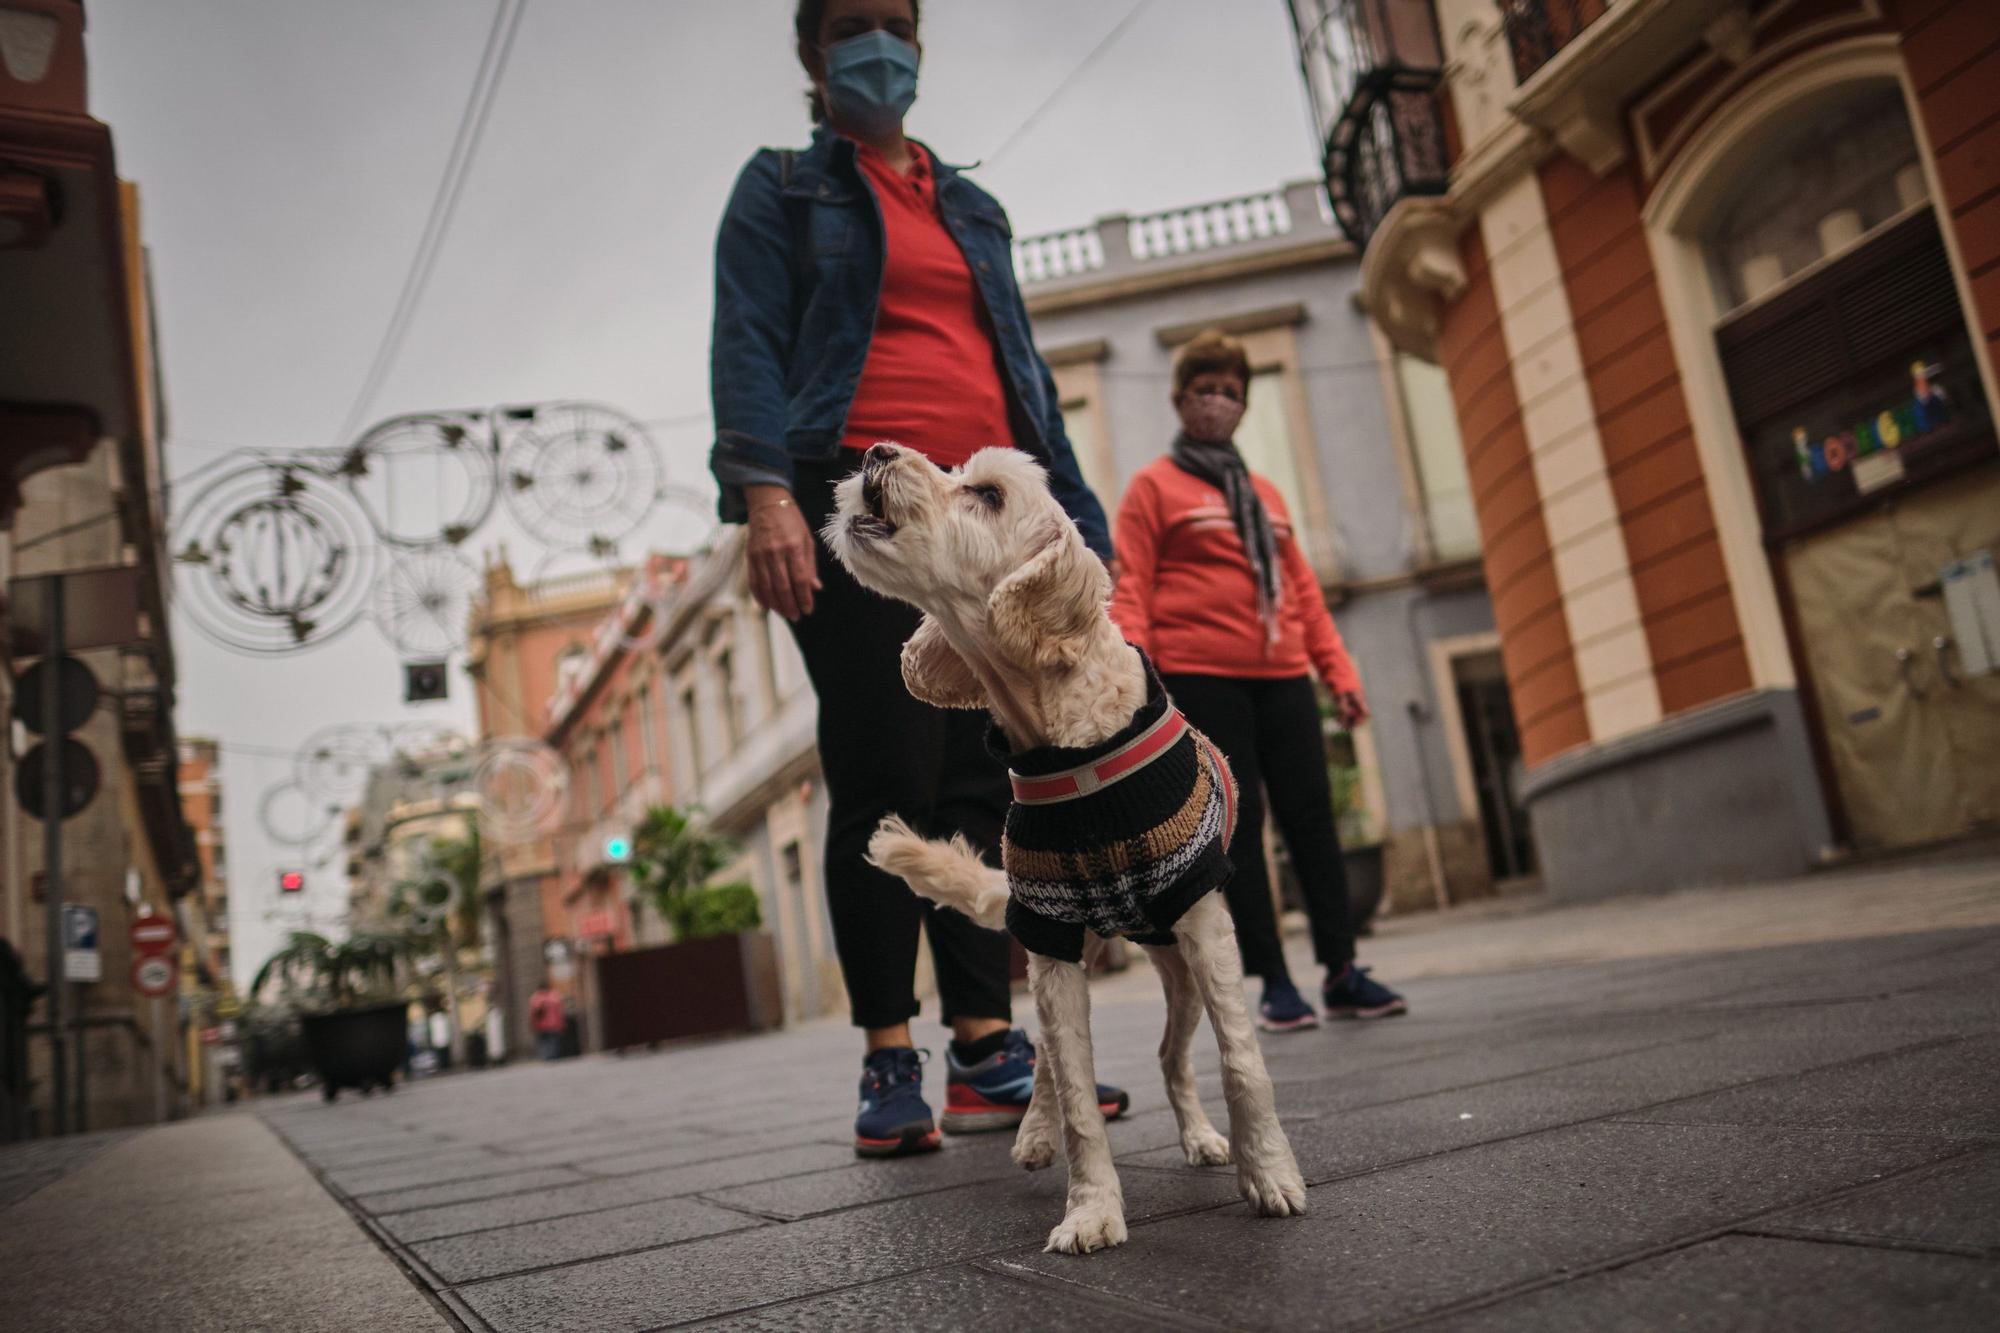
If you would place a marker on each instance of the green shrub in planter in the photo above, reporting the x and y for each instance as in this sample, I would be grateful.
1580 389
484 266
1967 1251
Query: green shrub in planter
721 909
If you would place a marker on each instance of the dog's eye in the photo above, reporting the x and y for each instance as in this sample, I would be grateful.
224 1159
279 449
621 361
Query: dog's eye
987 495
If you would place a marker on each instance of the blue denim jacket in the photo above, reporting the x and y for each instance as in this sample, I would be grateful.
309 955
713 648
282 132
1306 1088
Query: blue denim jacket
798 273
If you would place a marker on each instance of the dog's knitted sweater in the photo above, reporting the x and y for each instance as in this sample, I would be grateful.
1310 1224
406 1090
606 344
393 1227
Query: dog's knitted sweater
1120 838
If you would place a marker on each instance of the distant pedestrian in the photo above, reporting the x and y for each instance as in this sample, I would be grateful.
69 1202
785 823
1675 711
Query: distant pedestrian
864 291
1213 586
546 1015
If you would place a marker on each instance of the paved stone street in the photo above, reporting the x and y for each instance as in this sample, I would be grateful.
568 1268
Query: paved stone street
1796 1135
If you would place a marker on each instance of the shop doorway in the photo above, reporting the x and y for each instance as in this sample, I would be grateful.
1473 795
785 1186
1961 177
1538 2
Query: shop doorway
1870 443
1493 751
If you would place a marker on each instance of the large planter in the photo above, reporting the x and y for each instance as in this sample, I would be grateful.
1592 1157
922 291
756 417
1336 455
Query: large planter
356 1048
1365 879
697 988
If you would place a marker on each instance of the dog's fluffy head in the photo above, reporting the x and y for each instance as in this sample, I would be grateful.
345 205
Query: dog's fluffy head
984 549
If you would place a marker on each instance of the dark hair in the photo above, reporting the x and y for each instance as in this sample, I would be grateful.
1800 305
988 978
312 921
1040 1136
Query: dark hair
1211 352
805 23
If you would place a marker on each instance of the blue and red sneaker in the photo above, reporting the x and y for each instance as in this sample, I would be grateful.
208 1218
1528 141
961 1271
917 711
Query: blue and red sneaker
893 1120
994 1093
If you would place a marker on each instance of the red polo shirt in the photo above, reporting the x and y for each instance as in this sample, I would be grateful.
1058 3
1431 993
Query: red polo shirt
932 378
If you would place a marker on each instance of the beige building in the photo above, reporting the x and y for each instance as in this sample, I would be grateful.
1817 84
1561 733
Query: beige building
80 489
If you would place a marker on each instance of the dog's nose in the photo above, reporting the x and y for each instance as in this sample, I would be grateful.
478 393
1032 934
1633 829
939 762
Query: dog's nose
881 453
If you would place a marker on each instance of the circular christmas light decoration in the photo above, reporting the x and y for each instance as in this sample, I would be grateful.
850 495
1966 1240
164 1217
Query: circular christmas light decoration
521 785
293 816
274 559
580 475
423 602
334 763
424 480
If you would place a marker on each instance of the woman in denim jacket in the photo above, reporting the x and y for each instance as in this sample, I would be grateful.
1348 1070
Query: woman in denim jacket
865 291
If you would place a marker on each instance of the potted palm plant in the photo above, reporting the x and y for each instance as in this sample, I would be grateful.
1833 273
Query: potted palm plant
720 972
351 1014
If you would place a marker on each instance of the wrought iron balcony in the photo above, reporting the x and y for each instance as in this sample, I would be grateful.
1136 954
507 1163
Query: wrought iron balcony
1372 70
1538 29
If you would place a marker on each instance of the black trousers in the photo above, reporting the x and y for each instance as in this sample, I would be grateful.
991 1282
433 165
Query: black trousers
884 752
1269 730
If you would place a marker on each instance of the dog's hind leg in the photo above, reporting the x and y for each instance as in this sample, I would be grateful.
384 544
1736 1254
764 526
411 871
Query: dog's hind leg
1199 1139
1266 1173
1095 1215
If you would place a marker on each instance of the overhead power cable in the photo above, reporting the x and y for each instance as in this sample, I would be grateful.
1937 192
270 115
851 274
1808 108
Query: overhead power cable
430 243
1109 40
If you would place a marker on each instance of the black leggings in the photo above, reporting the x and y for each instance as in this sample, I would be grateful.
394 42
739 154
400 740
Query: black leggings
1270 732
884 752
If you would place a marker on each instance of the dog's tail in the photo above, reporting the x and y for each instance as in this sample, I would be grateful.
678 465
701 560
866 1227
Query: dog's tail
950 874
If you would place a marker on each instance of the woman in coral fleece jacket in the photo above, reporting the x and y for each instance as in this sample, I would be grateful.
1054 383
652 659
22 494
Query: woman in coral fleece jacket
1213 587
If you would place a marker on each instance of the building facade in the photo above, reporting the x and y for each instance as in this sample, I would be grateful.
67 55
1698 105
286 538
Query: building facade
1362 442
81 420
694 696
1716 287
520 635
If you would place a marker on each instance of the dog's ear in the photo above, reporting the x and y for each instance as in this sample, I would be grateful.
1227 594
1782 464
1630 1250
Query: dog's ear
1044 611
935 673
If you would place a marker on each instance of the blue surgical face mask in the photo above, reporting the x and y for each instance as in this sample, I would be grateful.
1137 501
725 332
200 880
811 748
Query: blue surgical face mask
871 81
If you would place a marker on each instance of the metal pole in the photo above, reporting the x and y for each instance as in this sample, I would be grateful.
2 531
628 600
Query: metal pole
52 653
159 1064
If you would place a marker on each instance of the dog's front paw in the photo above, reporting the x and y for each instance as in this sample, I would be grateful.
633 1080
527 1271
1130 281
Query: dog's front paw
1205 1146
1089 1227
1273 1193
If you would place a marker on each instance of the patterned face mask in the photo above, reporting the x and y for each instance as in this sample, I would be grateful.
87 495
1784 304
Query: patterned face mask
1210 416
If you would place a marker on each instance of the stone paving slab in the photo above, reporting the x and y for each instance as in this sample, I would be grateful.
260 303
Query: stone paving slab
680 1283
210 1224
1740 1282
516 1249
592 1195
1393 1244
961 1298
465 1191
1946 1089
1955 1206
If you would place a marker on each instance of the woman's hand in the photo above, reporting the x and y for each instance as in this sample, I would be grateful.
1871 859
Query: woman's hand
784 571
1350 708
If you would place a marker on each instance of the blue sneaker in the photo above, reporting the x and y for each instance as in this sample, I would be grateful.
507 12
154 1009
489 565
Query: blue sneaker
893 1119
994 1093
1285 1010
1352 993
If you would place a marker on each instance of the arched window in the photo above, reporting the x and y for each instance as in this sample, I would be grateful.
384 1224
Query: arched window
1813 192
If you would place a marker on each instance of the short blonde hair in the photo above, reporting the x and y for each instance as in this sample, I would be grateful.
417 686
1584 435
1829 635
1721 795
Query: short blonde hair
1211 352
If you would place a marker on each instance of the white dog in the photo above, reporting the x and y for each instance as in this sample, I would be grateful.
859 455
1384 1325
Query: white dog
1014 621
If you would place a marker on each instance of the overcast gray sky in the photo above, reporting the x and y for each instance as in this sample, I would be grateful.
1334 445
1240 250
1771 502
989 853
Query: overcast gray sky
288 152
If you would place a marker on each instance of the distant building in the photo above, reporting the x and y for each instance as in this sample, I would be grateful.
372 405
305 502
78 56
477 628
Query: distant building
200 781
699 700
80 488
1363 444
520 635
1716 291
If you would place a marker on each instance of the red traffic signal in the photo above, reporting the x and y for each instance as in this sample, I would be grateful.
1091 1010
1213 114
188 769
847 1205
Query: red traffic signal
291 881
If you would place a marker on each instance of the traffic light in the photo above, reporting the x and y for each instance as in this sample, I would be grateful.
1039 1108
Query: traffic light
291 881
617 849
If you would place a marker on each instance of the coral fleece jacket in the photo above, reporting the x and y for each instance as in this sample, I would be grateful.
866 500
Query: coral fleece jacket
1187 597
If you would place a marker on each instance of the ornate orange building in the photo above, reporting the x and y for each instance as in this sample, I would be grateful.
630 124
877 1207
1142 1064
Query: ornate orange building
1716 285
